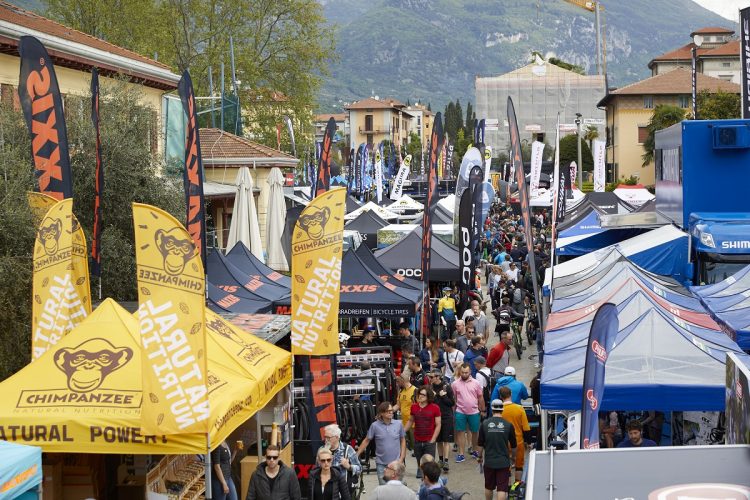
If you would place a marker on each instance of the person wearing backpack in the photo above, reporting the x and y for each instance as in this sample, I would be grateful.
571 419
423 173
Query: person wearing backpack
432 488
484 377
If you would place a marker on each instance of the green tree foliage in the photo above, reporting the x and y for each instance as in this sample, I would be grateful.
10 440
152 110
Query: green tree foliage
569 153
469 122
453 120
280 46
590 133
132 173
414 148
664 116
719 105
566 65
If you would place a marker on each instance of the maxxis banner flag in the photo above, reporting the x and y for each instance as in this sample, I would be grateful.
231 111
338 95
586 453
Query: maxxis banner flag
319 379
193 177
317 244
599 166
43 110
171 316
323 177
96 240
745 60
523 195
602 336
61 296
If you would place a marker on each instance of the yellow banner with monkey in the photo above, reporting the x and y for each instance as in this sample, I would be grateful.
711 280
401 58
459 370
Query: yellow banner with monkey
171 297
316 274
61 296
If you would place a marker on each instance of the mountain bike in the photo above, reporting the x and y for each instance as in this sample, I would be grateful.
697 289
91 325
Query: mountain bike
517 340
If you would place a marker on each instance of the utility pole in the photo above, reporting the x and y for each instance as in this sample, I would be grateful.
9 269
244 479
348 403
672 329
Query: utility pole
580 163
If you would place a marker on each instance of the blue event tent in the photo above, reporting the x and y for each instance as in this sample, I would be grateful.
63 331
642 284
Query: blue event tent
20 470
668 353
728 301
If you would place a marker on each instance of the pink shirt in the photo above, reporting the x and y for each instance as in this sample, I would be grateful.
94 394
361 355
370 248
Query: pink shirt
467 395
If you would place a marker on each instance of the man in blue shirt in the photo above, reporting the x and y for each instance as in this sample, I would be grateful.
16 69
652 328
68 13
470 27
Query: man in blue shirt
635 436
517 388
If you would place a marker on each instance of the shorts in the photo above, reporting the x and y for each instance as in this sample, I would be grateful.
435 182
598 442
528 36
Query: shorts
446 431
520 455
462 420
496 479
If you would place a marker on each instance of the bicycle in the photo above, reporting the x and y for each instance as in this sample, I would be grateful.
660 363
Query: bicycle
517 340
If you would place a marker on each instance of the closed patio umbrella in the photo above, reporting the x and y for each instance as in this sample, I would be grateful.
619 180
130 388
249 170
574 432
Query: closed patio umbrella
244 226
276 221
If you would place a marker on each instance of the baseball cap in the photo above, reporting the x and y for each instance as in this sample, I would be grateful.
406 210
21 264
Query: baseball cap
497 405
510 371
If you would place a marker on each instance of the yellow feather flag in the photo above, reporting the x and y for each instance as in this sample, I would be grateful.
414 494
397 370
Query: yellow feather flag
58 291
316 270
39 204
171 297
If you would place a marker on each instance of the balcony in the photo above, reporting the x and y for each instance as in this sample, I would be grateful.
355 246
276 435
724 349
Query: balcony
374 131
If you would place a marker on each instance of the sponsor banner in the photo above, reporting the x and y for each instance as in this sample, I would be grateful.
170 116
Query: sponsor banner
449 161
171 297
602 336
42 107
487 162
479 134
96 240
290 129
472 158
320 391
737 402
571 181
61 296
537 152
196 216
316 269
599 166
398 182
323 177
379 173
523 195
475 186
745 57
436 144
465 254
358 170
488 197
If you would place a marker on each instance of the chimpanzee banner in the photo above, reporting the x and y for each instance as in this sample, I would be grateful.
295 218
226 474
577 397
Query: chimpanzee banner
43 110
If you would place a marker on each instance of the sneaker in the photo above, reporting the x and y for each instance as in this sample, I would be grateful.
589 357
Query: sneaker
460 458
475 454
419 475
445 466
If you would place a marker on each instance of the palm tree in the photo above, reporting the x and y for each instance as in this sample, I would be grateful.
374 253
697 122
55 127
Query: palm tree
590 134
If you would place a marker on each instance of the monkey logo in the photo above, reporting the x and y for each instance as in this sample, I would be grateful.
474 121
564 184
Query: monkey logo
314 223
87 365
175 250
49 234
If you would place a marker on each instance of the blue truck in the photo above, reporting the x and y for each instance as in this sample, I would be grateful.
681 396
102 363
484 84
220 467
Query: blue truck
703 186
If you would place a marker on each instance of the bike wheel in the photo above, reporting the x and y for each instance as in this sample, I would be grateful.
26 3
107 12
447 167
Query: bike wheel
518 345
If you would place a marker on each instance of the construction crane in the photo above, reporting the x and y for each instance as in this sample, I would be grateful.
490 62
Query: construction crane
601 35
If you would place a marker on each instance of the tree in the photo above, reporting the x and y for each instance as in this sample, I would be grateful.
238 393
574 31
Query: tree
566 65
414 148
719 105
664 115
281 47
469 122
590 133
131 168
569 153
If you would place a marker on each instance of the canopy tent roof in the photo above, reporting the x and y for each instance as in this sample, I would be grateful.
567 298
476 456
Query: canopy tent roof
448 203
382 212
364 294
635 196
441 215
245 373
352 204
236 299
405 203
221 272
658 361
367 223
20 469
241 257
368 259
404 257
729 303
649 206
661 251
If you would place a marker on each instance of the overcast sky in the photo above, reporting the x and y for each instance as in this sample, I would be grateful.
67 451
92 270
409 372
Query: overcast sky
726 8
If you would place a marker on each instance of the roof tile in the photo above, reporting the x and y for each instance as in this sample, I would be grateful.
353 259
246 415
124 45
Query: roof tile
677 81
217 144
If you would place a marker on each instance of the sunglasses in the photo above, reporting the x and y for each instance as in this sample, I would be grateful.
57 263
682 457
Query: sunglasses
272 457
326 460
422 394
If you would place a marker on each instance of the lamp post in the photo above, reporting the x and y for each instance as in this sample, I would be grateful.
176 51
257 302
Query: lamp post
697 42
580 163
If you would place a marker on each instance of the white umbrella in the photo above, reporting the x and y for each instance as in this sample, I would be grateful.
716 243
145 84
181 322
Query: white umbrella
244 225
276 221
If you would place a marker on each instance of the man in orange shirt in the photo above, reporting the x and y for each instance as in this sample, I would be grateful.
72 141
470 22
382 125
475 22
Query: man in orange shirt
516 415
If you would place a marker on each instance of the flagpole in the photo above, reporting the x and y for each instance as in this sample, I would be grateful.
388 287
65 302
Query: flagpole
100 288
208 467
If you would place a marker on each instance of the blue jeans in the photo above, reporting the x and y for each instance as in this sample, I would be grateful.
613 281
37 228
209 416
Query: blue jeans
380 471
217 490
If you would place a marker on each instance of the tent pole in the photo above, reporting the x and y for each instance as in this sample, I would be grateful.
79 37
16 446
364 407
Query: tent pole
208 467
551 485
544 423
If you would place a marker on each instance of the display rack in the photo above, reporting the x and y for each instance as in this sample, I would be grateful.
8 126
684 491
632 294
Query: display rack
179 477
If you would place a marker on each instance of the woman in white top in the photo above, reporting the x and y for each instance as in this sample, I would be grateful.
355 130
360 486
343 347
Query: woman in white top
512 273
453 359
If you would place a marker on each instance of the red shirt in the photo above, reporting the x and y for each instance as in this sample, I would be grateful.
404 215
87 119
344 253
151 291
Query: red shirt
424 421
496 354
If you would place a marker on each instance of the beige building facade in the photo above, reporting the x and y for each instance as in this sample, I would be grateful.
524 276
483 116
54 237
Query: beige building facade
373 120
